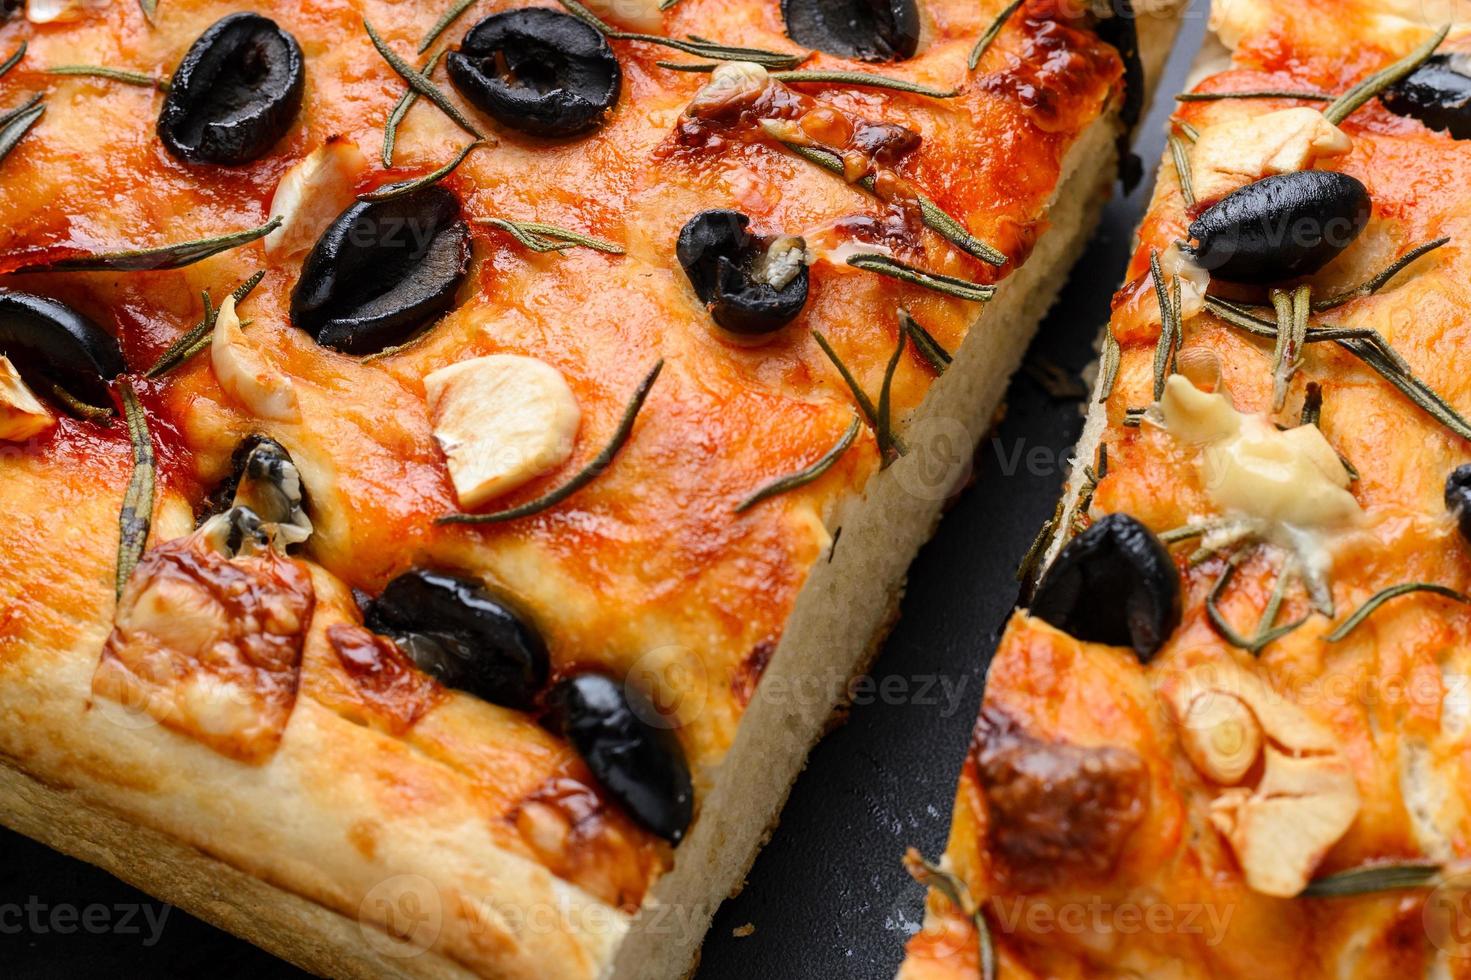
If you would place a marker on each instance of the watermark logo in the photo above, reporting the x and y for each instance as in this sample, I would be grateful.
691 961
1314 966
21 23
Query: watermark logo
401 917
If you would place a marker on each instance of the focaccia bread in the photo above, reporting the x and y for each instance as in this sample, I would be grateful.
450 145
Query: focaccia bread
1227 736
424 469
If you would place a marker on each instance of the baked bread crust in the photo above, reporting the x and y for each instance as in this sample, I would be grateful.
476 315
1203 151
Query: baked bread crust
327 846
1158 874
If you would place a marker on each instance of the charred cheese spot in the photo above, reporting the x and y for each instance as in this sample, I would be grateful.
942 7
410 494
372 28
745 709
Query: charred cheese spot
384 690
210 646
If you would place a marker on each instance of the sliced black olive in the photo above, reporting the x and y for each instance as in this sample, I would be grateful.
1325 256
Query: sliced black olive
869 30
1281 227
382 270
1438 93
455 630
235 94
539 71
52 341
1113 584
733 272
264 479
637 760
1117 25
1458 498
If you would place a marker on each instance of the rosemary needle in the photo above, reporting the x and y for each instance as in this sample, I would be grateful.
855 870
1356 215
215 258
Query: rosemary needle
160 257
450 16
137 511
16 126
701 47
421 84
112 74
1384 595
806 475
856 78
390 191
990 34
1348 102
588 473
1180 154
14 59
936 356
150 10
894 269
198 336
1307 96
401 109
959 896
1378 282
1374 878
549 238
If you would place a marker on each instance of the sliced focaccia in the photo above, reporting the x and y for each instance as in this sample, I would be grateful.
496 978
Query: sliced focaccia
1226 736
429 428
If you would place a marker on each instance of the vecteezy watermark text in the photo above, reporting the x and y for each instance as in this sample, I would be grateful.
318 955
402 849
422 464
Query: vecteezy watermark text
38 918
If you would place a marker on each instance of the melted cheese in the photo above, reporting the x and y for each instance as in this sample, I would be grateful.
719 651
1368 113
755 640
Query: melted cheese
1252 468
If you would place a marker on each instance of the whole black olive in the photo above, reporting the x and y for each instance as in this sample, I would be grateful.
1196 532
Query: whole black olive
1114 583
264 478
1458 498
539 71
455 630
1438 93
752 285
869 30
235 94
54 342
382 270
1281 227
637 760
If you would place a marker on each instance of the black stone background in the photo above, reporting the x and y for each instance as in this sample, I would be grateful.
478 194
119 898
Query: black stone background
827 896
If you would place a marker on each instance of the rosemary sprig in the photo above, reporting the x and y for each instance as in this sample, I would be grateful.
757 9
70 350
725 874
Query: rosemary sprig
1384 595
955 892
390 191
861 79
1292 330
933 216
113 74
137 512
1026 571
442 24
198 337
1379 281
10 114
1305 95
984 43
14 59
696 46
1348 102
1374 878
870 413
586 475
150 10
401 109
1169 323
1266 634
806 475
79 408
1108 364
1370 347
160 257
1181 155
420 83
1186 532
940 283
549 238
937 357
16 126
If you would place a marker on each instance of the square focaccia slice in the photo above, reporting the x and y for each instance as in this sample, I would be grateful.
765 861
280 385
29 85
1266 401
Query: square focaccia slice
429 428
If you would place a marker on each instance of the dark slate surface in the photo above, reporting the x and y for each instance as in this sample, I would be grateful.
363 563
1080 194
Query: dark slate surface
827 896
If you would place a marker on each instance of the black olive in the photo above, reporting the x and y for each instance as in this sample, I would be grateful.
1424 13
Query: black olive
1438 93
50 339
539 71
382 270
869 30
455 630
1281 227
1120 29
723 259
1458 498
235 94
1114 584
264 478
634 756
